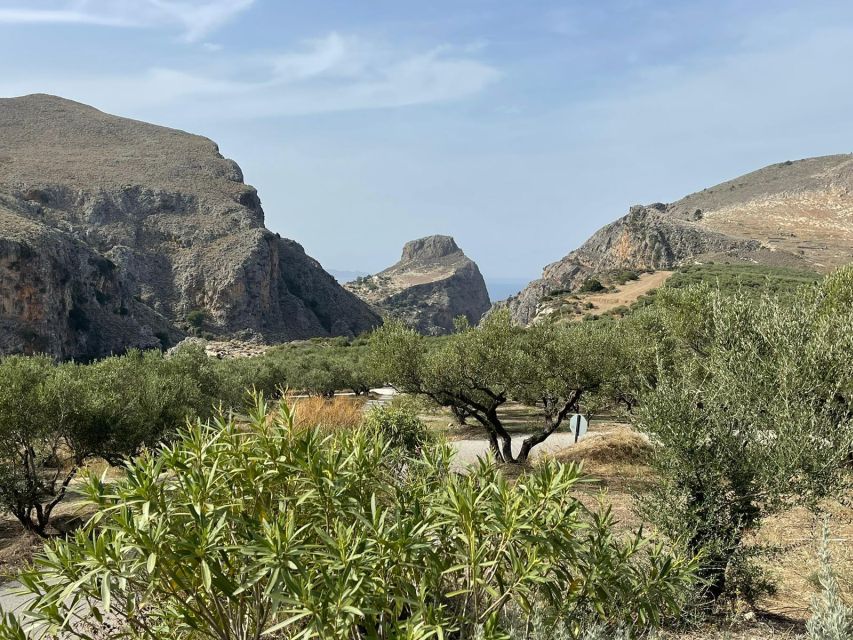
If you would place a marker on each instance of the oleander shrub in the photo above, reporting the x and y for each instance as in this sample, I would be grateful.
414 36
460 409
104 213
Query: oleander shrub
249 527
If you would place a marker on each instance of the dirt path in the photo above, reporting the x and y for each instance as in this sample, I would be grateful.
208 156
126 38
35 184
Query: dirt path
628 293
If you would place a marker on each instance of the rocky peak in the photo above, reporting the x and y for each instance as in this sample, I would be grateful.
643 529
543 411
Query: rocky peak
429 248
433 283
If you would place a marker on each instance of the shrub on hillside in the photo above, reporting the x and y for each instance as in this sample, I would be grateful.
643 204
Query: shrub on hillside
250 527
591 285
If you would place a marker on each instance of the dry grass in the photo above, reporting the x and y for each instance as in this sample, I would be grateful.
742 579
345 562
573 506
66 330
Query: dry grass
16 548
796 535
329 414
615 460
621 445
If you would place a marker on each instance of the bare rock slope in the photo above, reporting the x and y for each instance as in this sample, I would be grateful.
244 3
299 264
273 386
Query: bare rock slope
793 214
433 283
114 232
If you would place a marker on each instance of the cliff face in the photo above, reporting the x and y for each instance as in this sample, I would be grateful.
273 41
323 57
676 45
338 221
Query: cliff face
793 214
433 283
113 232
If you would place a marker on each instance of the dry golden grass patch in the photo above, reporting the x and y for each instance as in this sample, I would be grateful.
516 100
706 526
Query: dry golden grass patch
328 414
619 445
616 462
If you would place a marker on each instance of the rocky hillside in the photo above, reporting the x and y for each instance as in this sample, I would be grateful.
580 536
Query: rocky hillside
433 283
116 233
794 214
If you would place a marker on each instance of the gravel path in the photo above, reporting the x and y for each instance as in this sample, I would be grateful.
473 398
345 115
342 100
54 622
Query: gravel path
9 600
468 450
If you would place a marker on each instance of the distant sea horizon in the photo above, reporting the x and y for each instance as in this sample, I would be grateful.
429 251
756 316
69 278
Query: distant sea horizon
503 288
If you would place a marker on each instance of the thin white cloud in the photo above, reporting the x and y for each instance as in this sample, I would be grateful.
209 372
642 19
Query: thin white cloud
201 18
195 18
332 73
59 16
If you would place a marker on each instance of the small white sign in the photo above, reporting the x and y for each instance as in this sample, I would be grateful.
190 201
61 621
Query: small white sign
578 425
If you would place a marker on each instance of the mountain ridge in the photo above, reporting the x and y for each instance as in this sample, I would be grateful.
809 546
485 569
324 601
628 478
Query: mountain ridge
172 229
796 214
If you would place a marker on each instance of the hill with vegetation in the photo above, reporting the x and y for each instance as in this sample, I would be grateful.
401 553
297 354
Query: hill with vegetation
618 293
116 233
796 215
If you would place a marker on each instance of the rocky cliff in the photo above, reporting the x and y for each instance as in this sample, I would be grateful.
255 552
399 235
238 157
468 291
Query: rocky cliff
116 233
793 214
433 283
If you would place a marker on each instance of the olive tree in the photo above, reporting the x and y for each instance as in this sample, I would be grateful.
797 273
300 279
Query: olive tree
38 458
758 419
477 370
55 417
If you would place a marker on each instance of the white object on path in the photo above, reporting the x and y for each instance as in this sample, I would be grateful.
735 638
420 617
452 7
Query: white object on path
578 426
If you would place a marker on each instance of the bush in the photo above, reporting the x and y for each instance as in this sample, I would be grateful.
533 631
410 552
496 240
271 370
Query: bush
752 413
251 526
401 428
196 318
591 285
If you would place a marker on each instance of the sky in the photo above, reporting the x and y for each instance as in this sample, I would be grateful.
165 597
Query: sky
517 126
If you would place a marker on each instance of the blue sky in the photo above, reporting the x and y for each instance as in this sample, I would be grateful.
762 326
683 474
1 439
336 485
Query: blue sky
519 127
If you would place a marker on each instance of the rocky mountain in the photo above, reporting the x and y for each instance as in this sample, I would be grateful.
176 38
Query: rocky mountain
116 233
793 214
433 283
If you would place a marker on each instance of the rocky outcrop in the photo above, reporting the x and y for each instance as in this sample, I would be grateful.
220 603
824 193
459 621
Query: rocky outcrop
116 233
794 214
433 283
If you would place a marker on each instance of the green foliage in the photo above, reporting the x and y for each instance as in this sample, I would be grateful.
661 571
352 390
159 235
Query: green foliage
196 318
34 432
54 417
477 370
831 618
401 428
621 276
249 527
752 413
591 285
735 278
